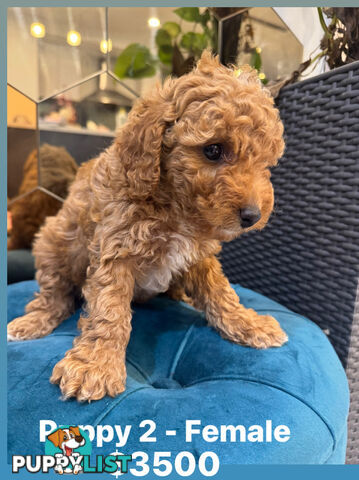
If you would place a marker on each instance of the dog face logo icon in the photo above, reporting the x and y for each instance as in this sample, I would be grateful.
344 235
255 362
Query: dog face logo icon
68 444
67 439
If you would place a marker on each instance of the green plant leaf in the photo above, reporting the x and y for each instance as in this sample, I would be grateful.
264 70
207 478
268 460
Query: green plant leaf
322 23
256 60
135 61
191 14
172 28
141 60
165 54
163 37
194 42
148 71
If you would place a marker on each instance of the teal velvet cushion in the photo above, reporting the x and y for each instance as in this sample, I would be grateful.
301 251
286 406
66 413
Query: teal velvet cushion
180 369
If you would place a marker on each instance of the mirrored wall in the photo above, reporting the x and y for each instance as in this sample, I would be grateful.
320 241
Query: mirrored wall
74 73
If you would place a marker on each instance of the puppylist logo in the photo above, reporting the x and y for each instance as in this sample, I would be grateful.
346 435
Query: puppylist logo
67 451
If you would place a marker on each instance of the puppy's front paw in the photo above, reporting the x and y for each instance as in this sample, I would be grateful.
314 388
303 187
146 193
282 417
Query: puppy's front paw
28 327
265 333
258 331
89 375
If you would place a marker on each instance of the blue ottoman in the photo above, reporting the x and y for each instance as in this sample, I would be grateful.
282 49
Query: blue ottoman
180 369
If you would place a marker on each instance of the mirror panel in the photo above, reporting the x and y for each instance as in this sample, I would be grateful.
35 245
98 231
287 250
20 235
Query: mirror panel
21 143
147 44
76 126
99 105
51 48
260 38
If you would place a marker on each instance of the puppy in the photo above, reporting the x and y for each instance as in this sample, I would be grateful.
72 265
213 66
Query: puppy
189 170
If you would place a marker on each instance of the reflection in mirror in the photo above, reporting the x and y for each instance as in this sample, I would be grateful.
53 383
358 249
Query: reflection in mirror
99 105
21 111
82 120
259 34
28 212
147 44
21 140
50 48
57 169
22 52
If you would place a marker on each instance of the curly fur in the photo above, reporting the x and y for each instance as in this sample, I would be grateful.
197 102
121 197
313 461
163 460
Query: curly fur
28 213
148 216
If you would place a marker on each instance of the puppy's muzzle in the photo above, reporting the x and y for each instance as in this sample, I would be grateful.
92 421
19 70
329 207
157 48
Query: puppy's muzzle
249 216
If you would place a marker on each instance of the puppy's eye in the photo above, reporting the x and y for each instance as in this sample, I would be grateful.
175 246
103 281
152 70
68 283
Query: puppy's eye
213 152
65 437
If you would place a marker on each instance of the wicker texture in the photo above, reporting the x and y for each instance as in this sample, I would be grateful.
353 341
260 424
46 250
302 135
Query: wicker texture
353 375
308 256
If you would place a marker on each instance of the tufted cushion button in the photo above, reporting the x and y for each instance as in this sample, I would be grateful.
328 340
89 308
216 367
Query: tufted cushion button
165 383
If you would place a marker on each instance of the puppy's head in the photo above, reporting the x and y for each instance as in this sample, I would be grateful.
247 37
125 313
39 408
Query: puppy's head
67 438
206 140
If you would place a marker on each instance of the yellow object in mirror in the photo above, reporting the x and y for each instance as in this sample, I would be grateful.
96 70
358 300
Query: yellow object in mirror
106 46
37 30
21 111
74 38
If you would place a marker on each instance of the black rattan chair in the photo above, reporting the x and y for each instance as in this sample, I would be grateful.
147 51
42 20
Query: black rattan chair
307 258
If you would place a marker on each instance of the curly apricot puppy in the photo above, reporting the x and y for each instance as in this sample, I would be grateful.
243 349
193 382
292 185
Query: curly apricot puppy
188 170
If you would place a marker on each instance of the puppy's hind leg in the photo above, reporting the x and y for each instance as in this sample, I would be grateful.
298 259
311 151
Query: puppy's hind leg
55 301
177 292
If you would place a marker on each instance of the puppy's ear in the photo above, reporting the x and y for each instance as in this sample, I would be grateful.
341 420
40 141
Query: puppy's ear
208 62
55 438
139 143
75 430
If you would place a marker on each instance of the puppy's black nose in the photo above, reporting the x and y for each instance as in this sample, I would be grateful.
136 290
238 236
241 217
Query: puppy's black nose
249 216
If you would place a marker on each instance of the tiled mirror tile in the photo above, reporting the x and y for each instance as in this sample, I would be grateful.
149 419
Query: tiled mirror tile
27 212
21 143
99 105
256 36
147 44
57 169
51 48
223 13
81 121
22 52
